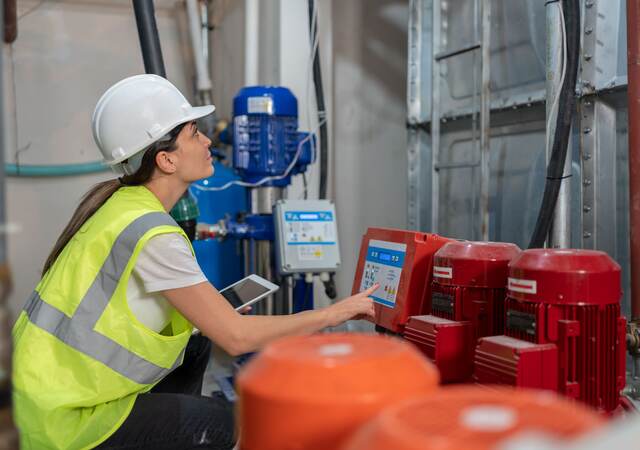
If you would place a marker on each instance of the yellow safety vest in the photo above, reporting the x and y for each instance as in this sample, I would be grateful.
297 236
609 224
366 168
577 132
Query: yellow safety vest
80 356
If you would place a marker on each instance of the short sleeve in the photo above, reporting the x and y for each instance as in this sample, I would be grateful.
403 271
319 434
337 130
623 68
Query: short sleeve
166 262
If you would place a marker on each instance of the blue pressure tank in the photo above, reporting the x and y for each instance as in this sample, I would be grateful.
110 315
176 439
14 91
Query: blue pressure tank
265 135
221 262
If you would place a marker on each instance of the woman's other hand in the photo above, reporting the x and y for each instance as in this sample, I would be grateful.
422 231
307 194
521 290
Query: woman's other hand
359 306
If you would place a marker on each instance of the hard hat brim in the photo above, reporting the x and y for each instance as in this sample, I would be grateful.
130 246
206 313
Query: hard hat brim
200 111
196 112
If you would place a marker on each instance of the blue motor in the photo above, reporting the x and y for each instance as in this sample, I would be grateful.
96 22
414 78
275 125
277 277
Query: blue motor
266 137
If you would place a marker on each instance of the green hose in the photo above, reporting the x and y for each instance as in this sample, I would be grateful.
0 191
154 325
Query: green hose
62 170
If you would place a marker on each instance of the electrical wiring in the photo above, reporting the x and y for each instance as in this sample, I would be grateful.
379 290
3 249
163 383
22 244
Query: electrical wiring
322 120
266 179
564 117
320 101
563 49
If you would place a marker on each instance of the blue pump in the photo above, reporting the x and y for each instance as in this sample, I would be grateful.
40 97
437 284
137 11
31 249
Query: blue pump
266 137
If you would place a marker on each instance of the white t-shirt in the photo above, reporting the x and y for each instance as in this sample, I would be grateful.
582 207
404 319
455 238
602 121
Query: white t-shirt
165 262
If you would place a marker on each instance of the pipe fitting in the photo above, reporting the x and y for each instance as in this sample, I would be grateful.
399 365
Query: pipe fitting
208 231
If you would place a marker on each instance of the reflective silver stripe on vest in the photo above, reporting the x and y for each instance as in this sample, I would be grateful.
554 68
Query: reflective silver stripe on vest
77 331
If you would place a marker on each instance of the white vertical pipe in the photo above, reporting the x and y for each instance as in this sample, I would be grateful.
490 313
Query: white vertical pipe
252 41
8 134
203 81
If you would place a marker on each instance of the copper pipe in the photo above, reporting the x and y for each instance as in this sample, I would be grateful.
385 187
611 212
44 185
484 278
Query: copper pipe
10 21
633 92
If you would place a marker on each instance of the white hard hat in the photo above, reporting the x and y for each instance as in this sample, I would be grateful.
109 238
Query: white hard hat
136 112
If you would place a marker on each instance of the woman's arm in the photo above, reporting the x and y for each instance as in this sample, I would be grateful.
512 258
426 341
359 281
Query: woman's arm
209 311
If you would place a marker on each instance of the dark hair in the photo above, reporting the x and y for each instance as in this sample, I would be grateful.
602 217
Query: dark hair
100 193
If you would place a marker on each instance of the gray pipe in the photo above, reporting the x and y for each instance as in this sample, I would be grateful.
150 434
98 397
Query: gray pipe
560 233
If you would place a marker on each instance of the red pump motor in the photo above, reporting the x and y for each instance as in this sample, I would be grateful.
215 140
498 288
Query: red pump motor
563 328
401 262
467 302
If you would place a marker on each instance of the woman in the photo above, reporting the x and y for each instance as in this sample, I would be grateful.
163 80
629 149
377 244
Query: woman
100 350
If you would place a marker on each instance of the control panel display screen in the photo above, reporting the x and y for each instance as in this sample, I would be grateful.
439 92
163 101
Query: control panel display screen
383 265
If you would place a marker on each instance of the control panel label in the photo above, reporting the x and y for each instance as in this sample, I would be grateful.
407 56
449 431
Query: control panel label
523 286
260 105
310 252
383 265
443 272
309 227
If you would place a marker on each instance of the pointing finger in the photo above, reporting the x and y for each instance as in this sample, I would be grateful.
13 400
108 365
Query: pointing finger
370 290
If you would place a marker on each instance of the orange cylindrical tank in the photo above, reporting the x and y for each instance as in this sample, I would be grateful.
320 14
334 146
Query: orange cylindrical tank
312 392
473 418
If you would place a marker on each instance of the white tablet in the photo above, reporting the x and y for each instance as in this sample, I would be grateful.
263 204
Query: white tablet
247 291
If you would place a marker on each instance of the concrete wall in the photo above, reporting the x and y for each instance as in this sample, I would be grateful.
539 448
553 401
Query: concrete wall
369 72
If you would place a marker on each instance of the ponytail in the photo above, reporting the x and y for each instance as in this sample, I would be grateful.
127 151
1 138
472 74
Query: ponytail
89 204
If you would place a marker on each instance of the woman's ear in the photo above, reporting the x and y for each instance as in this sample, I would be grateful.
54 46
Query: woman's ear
165 161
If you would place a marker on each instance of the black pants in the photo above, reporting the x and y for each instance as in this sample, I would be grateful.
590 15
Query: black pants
174 415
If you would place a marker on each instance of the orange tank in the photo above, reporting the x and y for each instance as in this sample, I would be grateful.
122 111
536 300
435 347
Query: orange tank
473 418
313 392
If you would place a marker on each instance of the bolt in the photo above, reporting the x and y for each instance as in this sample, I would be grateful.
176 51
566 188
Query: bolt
587 57
586 235
586 182
588 30
586 209
587 130
589 4
587 156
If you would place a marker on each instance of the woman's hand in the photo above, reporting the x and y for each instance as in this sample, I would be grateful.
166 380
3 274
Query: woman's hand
357 306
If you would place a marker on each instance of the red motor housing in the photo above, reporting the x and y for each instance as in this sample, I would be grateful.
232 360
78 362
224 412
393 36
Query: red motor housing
401 262
467 302
560 304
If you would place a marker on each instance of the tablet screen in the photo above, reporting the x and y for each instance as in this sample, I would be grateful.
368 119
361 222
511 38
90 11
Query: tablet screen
243 292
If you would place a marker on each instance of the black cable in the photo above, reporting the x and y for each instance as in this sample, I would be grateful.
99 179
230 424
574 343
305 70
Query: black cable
566 110
319 90
304 185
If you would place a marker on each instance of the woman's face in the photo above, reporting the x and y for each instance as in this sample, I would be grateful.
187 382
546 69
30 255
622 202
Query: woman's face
193 156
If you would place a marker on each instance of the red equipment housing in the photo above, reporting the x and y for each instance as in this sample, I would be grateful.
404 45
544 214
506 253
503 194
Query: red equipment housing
467 302
401 262
563 305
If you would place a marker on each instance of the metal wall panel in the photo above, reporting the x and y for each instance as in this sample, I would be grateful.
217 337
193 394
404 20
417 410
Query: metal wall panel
599 182
517 53
517 164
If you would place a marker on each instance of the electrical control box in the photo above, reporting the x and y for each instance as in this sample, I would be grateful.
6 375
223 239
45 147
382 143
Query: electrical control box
306 236
401 262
